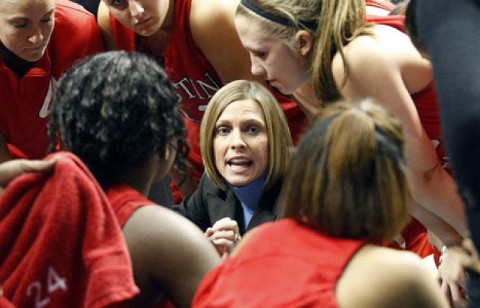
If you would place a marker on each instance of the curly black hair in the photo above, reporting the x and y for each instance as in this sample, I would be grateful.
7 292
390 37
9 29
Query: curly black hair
114 110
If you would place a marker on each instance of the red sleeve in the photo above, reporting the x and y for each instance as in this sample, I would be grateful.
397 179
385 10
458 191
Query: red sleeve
124 37
75 36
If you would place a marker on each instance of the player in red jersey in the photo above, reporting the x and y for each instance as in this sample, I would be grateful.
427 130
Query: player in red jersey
332 47
39 40
197 42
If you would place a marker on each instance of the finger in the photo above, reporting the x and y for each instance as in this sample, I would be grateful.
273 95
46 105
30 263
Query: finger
13 168
446 291
454 292
224 243
470 247
209 232
39 165
457 296
473 266
462 279
226 225
227 234
225 254
223 246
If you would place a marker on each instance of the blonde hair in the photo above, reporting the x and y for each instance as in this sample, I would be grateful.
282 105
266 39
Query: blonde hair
338 23
279 138
347 178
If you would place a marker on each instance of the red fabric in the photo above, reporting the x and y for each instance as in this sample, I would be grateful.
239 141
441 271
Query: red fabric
196 81
427 107
125 200
426 103
396 21
436 256
382 4
124 37
282 264
60 241
15 152
25 102
416 239
4 303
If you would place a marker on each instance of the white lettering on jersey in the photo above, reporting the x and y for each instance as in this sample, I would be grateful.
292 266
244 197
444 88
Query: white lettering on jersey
47 102
189 89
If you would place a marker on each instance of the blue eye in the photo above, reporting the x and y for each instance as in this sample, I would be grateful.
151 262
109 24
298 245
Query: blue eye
222 131
253 130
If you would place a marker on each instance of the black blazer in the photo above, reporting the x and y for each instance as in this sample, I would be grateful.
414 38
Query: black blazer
209 204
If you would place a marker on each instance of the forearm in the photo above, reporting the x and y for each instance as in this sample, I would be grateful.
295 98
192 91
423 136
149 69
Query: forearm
437 193
445 232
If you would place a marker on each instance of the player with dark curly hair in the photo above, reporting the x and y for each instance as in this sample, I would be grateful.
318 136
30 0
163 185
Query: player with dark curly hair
116 109
119 113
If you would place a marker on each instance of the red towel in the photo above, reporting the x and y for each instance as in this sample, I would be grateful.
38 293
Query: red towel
61 245
4 303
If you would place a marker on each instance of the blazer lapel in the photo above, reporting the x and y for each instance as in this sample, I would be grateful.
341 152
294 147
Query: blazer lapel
266 208
219 208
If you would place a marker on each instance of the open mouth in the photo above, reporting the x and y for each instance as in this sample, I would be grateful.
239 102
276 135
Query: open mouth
239 162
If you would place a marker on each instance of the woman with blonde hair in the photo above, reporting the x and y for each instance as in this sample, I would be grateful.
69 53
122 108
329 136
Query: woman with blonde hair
199 48
327 50
245 143
344 195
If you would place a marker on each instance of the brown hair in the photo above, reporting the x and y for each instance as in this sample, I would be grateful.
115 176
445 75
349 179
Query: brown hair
340 22
347 176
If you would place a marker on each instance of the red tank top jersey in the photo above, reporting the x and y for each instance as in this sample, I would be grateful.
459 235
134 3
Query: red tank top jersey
196 80
125 200
25 103
396 21
426 100
282 264
382 4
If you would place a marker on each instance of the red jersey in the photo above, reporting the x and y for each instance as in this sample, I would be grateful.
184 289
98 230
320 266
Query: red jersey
25 102
196 80
425 101
382 4
125 200
282 264
396 21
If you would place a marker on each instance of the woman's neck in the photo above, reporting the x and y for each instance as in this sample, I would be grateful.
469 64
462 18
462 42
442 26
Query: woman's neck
307 100
142 177
18 65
